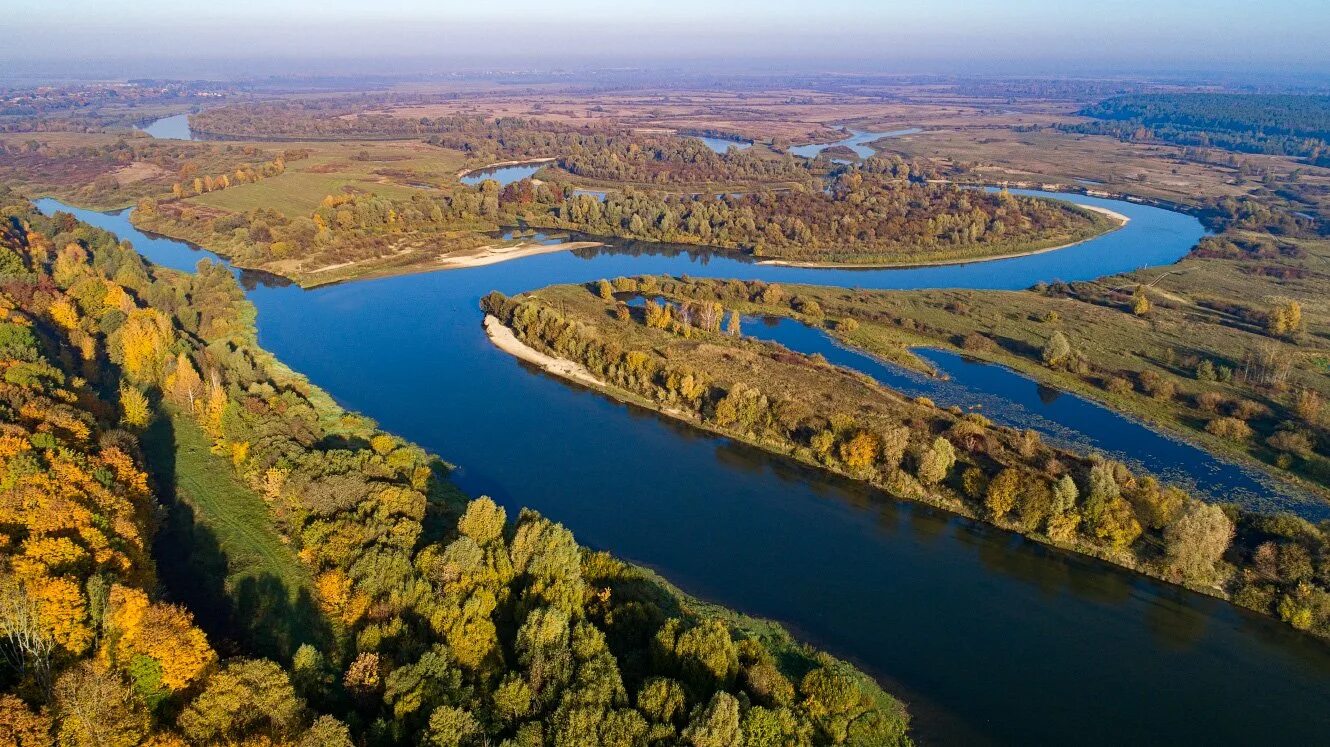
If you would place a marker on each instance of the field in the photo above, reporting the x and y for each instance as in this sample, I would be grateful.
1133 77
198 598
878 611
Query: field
219 552
1099 162
390 168
795 114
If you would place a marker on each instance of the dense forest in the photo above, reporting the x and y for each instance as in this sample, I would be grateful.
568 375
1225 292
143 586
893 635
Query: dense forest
688 357
1276 124
876 214
442 622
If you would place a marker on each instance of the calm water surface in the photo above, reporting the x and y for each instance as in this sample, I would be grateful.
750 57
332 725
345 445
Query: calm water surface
720 144
504 175
991 638
1012 399
857 141
170 128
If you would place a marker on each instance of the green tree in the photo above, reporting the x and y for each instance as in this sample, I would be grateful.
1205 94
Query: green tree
716 725
1002 490
936 461
452 727
244 695
1057 351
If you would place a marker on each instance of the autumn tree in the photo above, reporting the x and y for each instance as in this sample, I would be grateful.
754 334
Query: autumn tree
1140 302
1197 540
1001 494
936 461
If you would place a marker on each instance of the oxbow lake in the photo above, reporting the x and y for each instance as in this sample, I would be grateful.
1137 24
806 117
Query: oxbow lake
991 638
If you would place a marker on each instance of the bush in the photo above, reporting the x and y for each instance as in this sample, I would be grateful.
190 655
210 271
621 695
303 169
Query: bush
1230 428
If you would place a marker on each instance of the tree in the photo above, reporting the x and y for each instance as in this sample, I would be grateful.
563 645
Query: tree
1156 506
20 726
162 632
936 461
134 408
452 727
1057 351
96 708
732 327
1197 541
1285 318
243 696
859 452
1140 302
605 290
716 725
1001 494
30 641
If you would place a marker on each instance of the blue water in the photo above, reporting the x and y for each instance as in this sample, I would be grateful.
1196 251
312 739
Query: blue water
504 175
991 638
721 145
857 141
1011 399
170 128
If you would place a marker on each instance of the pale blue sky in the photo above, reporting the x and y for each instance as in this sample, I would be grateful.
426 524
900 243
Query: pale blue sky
1116 33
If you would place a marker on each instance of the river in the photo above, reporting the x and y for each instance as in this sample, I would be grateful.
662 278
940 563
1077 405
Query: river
1011 399
858 141
991 638
169 128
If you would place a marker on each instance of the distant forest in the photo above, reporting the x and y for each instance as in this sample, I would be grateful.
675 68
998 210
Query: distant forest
1276 124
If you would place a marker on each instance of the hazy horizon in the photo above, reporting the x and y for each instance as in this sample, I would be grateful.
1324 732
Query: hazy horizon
155 38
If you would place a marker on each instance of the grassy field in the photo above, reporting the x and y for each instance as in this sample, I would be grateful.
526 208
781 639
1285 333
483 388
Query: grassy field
396 168
219 552
1149 170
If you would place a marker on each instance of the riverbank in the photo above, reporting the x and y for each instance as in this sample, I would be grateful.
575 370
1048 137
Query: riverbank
504 338
490 255
1120 220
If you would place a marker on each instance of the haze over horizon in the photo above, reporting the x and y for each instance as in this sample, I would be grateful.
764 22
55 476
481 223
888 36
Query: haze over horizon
253 37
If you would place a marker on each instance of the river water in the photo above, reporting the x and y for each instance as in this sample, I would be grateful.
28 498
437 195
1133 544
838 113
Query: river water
858 141
170 128
991 638
1011 399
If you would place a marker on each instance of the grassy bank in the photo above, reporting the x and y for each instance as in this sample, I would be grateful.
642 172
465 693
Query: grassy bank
219 552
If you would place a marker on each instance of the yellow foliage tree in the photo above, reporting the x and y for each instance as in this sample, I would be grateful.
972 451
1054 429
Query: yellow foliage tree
134 409
64 314
144 339
162 632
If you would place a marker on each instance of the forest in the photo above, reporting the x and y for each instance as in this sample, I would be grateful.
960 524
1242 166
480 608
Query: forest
1274 124
688 357
444 622
882 211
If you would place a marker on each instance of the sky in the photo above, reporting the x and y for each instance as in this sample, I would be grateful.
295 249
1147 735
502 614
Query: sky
1038 36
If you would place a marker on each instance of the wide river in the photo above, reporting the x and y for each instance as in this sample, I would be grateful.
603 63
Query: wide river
991 638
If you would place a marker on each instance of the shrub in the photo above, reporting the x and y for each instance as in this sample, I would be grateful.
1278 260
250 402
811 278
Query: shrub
1230 428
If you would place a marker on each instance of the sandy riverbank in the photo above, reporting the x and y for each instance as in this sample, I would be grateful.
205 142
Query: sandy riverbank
491 255
504 339
1119 217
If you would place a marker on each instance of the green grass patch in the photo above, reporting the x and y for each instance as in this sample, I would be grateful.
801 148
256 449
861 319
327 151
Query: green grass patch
219 553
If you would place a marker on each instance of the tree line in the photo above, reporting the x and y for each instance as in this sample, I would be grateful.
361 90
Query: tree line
1279 124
